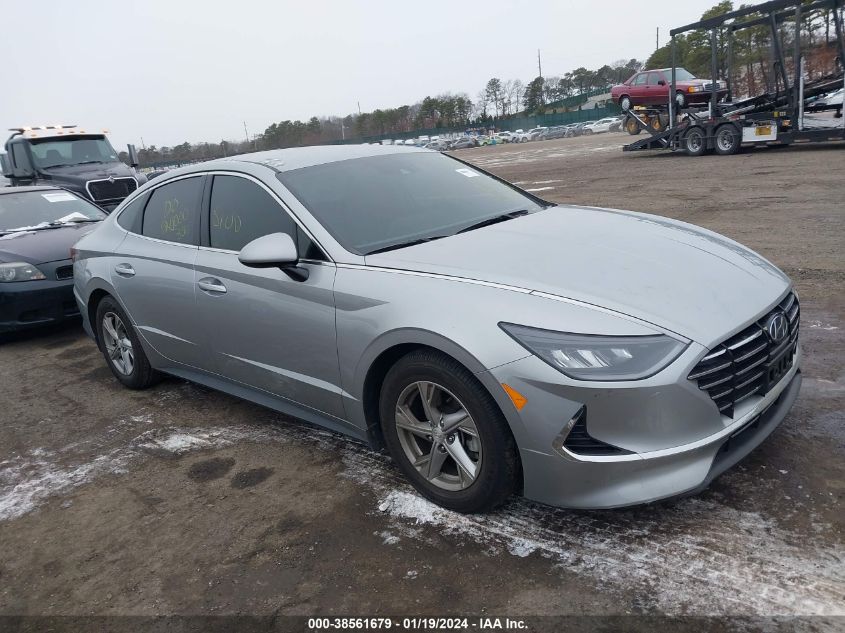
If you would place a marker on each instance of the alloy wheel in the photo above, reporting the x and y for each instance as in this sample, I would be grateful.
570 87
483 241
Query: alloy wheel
438 435
118 345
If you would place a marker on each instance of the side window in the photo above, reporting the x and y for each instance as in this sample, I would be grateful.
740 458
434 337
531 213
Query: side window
640 79
241 211
172 213
307 248
653 78
132 216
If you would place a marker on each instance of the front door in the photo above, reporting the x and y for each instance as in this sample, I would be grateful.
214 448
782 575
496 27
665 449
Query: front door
265 329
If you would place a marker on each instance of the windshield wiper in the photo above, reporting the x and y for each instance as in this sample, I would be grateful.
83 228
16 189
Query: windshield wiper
393 247
66 222
504 217
89 162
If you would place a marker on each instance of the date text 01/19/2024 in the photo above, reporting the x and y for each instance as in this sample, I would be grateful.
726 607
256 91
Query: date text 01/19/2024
416 624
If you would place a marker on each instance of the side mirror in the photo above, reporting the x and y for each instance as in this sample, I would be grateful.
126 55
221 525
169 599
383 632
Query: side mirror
20 163
276 250
133 156
661 82
5 167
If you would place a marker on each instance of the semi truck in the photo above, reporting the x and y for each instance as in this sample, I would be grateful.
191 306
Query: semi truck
73 158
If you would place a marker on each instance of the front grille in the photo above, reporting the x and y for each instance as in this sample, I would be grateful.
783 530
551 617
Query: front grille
737 368
64 272
118 189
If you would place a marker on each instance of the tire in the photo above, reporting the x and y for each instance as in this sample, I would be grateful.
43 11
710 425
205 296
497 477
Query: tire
625 103
631 127
695 141
588 132
656 124
728 140
482 440
137 374
680 99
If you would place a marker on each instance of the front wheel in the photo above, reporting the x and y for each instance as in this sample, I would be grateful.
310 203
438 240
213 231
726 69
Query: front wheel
625 103
681 100
446 433
121 348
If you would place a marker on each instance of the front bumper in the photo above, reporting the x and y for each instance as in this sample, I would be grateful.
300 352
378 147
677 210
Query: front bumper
28 304
676 441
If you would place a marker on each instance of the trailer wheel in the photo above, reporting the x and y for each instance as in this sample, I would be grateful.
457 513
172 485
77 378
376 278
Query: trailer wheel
631 127
625 102
695 142
656 123
728 140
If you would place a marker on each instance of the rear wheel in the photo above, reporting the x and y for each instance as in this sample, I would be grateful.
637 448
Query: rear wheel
727 140
446 433
695 142
121 348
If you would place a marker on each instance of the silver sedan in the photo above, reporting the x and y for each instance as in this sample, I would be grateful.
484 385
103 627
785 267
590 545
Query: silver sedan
493 343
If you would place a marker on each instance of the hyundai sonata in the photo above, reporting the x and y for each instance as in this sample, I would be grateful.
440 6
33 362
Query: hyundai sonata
492 342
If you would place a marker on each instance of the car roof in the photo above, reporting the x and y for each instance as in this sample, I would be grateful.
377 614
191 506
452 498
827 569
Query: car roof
4 190
299 157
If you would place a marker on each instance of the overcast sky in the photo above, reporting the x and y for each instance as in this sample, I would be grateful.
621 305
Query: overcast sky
195 71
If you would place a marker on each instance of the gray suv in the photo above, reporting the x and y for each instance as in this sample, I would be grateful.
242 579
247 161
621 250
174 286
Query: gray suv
492 342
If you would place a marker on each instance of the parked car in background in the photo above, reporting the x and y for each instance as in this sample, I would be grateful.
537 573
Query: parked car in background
830 101
597 127
38 227
327 304
616 126
651 87
438 145
535 133
555 131
411 141
519 136
464 143
504 137
578 128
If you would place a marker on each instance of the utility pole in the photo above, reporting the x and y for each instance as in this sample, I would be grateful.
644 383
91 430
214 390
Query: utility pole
144 147
359 108
342 131
247 133
657 39
539 65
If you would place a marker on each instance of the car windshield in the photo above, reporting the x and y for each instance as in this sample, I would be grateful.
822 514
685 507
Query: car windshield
33 210
681 74
74 150
373 203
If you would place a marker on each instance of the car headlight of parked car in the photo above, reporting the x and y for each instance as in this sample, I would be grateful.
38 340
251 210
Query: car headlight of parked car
19 271
594 357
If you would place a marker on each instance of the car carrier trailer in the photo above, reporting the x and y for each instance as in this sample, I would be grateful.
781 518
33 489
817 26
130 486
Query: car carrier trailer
775 117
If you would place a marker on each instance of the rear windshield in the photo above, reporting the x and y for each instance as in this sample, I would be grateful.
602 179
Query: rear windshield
34 210
368 204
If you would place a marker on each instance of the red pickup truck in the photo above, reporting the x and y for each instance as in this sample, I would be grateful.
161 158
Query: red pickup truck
651 87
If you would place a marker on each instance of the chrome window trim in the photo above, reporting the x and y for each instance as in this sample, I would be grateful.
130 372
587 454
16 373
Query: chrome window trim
285 208
88 182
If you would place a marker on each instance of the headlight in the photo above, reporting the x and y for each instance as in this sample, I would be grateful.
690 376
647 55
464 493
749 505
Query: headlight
590 357
19 271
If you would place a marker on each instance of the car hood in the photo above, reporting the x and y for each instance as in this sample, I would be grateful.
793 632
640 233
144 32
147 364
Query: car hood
46 245
680 277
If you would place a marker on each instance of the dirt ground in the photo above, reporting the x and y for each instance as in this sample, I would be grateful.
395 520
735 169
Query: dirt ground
181 500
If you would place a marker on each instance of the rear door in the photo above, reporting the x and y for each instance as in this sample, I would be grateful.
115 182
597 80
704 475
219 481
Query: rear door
154 272
265 329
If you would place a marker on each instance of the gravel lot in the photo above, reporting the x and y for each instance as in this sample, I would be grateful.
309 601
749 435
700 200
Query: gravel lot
183 500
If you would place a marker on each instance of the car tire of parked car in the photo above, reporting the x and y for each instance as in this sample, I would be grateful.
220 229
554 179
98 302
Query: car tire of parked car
588 131
728 140
695 141
482 437
681 99
625 102
121 348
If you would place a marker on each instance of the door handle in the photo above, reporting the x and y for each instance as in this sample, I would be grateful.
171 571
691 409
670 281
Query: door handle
209 284
125 270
